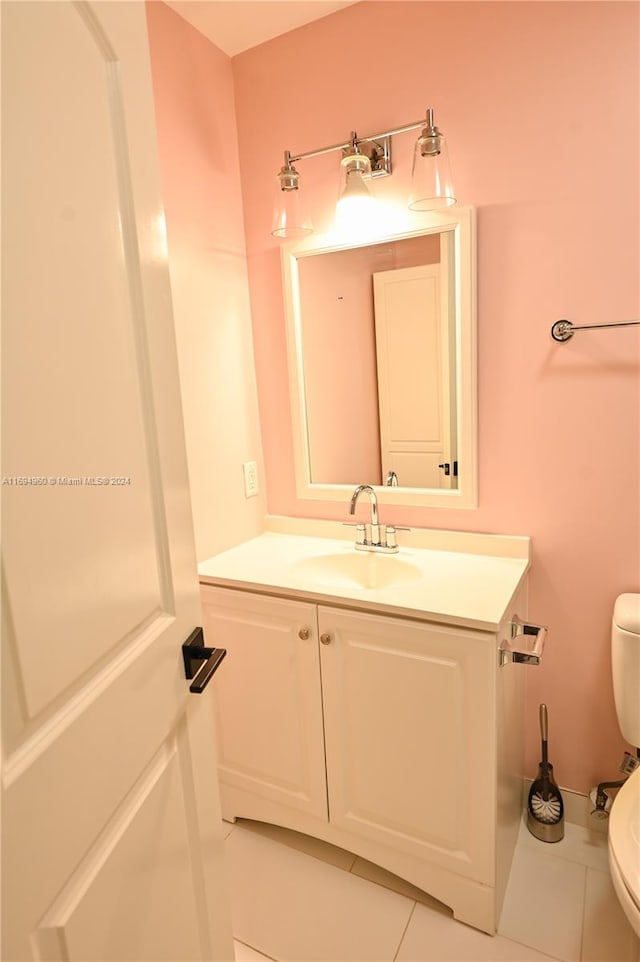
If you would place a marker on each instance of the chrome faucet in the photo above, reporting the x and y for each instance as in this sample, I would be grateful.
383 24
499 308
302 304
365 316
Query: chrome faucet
380 537
375 524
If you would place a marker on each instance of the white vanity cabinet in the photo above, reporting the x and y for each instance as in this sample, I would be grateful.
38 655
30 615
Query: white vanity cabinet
380 734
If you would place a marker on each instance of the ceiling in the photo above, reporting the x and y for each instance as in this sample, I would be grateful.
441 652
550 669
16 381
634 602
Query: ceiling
237 25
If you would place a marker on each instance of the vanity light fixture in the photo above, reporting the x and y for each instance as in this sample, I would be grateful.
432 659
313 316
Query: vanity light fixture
356 201
362 159
431 186
290 217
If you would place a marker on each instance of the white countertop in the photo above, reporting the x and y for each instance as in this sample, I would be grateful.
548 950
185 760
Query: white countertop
471 588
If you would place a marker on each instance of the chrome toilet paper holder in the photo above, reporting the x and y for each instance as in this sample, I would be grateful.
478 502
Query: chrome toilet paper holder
525 644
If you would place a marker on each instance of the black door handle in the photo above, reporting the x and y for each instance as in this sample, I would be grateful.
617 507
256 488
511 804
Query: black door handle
194 654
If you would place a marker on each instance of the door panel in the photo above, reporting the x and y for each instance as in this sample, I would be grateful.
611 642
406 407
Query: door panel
412 322
74 264
268 701
112 846
408 732
90 915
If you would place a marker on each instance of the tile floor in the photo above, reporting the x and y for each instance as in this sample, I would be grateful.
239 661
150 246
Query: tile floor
296 899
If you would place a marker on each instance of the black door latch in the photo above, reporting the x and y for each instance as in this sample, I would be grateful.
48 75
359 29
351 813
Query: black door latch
199 661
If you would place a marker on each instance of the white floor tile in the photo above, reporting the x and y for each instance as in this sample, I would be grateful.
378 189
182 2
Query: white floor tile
433 936
607 935
544 902
244 953
295 908
578 845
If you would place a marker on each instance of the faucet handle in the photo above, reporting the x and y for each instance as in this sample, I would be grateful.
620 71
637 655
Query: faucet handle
390 535
361 531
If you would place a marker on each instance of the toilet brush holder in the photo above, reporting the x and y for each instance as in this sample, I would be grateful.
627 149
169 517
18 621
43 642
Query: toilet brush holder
545 808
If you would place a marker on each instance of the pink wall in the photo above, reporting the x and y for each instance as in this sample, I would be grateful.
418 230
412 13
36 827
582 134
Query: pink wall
539 102
196 123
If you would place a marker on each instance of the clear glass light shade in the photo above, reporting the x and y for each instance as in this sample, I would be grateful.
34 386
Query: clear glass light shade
431 184
356 207
290 215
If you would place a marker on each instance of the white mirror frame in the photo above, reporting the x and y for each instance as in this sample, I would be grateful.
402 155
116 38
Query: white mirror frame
461 221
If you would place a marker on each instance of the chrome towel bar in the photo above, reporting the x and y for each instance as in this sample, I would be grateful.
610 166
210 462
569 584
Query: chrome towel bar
563 330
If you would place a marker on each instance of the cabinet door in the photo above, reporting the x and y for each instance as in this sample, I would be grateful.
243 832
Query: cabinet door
268 698
409 737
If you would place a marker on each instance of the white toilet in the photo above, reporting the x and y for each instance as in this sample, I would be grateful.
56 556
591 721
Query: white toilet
624 820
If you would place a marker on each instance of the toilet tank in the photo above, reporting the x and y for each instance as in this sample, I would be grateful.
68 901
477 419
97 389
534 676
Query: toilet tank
625 665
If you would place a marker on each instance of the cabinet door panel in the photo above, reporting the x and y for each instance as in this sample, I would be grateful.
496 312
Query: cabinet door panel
409 737
268 697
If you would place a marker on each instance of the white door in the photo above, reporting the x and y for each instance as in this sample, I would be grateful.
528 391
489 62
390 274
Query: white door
112 844
412 348
268 701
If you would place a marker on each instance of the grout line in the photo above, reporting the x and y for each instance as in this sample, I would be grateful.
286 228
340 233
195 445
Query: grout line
404 932
584 905
254 949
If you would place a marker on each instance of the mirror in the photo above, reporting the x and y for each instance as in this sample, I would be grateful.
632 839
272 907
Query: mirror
381 341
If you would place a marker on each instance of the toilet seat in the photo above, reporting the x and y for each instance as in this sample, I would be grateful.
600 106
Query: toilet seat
624 848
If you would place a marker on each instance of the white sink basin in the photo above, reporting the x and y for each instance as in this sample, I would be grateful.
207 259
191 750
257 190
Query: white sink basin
360 569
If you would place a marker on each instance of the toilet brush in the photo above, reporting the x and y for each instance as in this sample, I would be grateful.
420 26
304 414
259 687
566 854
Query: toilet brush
545 809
